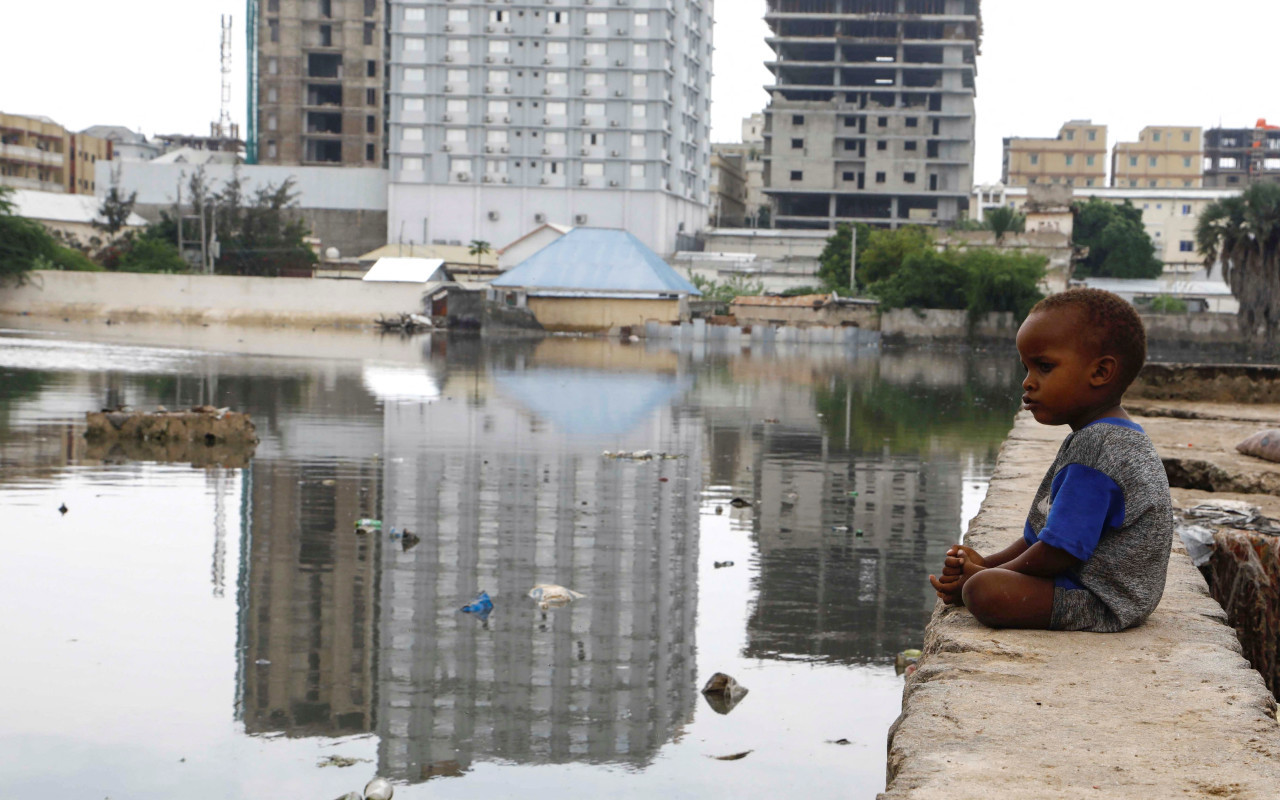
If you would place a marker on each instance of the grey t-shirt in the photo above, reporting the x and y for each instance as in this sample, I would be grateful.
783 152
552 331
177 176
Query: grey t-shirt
1106 500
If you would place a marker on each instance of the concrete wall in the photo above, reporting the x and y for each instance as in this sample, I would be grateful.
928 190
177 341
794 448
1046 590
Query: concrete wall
317 187
908 324
589 314
868 318
209 298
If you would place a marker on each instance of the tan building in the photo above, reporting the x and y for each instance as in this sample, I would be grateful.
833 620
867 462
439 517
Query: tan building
38 153
1077 157
728 188
318 82
1164 157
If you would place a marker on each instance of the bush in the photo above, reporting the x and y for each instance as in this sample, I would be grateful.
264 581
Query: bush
1167 304
978 281
148 254
71 260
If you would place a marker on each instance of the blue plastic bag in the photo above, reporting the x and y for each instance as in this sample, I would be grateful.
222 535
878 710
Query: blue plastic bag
481 606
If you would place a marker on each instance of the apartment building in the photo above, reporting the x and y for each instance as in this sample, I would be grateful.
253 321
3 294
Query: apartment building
728 188
751 151
1076 157
872 110
1164 157
1237 157
38 153
316 82
503 117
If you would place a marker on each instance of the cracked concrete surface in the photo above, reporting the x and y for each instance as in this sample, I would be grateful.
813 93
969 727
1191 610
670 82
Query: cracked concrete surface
1167 709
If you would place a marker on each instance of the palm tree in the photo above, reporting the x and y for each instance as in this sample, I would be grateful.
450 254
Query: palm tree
1244 232
1001 220
479 249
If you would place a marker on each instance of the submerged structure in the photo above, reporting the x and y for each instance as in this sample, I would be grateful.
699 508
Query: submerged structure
871 117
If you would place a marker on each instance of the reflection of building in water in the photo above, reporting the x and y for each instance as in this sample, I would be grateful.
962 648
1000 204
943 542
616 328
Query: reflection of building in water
308 583
504 499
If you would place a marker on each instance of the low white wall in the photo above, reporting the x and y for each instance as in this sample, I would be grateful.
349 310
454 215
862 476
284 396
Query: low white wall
909 324
210 298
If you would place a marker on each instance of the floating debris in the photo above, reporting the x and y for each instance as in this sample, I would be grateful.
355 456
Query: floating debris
339 761
738 502
723 694
409 540
639 455
62 509
379 789
906 659
723 564
550 595
405 323
839 741
482 606
734 757
719 509
364 526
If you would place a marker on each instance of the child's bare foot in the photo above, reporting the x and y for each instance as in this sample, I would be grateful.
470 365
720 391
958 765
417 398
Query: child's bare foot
961 564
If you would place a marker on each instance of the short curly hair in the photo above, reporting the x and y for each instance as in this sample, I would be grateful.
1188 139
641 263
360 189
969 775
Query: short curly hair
1113 327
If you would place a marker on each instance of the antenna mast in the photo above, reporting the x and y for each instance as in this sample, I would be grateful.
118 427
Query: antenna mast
226 129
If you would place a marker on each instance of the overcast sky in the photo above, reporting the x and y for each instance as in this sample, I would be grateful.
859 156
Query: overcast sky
153 65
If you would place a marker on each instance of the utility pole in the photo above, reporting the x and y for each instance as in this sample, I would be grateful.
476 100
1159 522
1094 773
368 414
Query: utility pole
179 216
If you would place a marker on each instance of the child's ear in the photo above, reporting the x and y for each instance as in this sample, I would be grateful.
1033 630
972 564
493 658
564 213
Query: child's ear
1104 371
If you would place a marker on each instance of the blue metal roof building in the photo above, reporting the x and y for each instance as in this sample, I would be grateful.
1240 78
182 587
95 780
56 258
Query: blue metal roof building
596 262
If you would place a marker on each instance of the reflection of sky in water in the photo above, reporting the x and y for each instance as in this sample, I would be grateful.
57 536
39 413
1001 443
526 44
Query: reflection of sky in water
207 605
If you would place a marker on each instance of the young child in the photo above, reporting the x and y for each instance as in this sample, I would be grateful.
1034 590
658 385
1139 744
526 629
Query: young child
1095 547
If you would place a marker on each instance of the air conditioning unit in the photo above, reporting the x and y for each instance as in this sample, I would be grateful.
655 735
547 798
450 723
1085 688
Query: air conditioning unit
546 61
488 179
488 148
547 90
586 31
506 119
586 62
546 120
506 90
506 179
448 57
488 29
584 152
508 60
586 92
613 123
447 148
488 118
539 218
622 31
580 219
464 176
613 183
488 88
448 89
488 59
586 120
448 118
448 29
546 151
504 149
544 181
493 216
614 153
617 93
583 182
548 28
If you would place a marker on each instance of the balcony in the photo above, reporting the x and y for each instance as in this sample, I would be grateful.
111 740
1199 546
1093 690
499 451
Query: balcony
31 155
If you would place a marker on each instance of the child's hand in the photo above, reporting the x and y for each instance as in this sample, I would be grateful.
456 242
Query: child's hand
960 564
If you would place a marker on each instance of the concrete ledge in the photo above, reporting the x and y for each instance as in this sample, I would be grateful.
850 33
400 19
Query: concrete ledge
1170 708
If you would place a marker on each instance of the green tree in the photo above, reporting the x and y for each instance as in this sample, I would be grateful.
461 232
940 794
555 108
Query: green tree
726 291
24 243
834 262
1244 232
1002 220
478 249
151 253
115 210
887 250
925 280
978 281
1167 304
1119 246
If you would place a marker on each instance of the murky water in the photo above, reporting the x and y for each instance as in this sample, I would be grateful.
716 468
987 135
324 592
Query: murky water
212 632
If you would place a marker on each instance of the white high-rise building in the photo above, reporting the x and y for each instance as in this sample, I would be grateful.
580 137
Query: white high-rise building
505 115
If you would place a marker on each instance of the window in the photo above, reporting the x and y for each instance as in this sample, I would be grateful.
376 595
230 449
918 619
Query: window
273 6
1071 136
1152 161
597 48
557 48
595 79
1089 161
1035 159
451 76
557 78
880 177
1133 161
498 16
1186 136
454 45
371 69
455 14
1071 160
496 167
797 144
370 30
452 106
913 122
882 122
909 146
1093 136
1155 136
495 137
371 97
454 135
411 164
640 50
273 95
1186 162
272 122
639 80
272 151
637 141
594 109
797 119
498 107
1153 184
1186 210
880 145
370 124
908 177
273 66
797 175
638 111
593 169
419 104
848 176
557 109
499 46
557 17
597 18
460 165
273 26
415 135
1186 246
637 170
642 20
370 8
499 76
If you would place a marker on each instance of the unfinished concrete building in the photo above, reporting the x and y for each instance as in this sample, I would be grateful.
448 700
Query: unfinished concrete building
872 111
316 82
1237 157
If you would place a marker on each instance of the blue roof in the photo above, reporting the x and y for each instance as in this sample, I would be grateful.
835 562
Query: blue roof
589 402
597 260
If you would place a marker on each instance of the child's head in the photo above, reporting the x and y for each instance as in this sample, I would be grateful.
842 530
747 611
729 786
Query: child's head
1082 348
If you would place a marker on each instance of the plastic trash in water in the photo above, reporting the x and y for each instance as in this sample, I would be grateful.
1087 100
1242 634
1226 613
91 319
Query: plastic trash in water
379 789
368 525
906 659
482 606
550 595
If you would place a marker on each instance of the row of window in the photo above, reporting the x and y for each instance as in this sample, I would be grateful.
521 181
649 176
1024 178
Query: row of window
590 169
463 15
502 107
880 177
502 136
501 47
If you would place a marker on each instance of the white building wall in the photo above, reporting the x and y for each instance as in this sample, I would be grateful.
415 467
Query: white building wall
499 113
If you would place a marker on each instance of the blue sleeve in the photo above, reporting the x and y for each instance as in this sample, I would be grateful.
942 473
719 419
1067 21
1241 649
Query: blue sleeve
1084 503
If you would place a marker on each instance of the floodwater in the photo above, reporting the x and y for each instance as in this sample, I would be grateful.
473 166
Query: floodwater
221 632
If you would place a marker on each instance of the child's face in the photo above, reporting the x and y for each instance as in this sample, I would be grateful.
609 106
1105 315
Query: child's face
1063 385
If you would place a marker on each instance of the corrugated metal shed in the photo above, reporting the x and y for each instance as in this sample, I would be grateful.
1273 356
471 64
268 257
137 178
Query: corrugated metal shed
597 260
58 207
407 270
